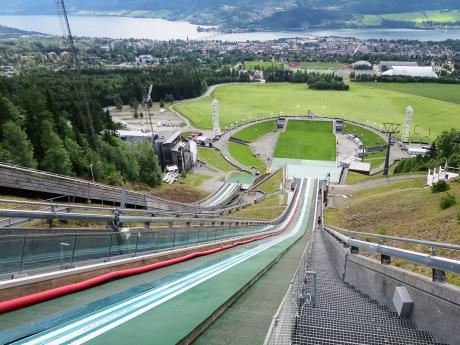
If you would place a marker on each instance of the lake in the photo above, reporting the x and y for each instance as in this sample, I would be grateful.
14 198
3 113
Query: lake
160 29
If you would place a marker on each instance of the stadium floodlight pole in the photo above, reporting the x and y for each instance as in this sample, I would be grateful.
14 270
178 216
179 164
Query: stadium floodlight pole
391 128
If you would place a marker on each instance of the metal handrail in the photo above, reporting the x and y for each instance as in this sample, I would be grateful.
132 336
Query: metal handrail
67 251
210 216
432 261
429 244
118 218
77 180
109 209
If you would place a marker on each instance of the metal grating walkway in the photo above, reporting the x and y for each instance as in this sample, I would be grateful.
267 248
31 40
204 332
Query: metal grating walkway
344 315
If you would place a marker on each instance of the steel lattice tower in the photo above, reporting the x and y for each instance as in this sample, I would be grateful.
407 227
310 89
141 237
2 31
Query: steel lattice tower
215 118
77 81
407 125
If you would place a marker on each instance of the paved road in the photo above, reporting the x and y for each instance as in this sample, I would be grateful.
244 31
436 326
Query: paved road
350 189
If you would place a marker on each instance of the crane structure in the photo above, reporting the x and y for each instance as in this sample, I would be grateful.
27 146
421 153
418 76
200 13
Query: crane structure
78 82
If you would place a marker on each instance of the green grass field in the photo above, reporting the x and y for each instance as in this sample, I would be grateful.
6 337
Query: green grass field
368 138
310 140
363 103
245 156
376 159
444 17
252 65
442 92
214 158
313 65
273 183
268 209
254 132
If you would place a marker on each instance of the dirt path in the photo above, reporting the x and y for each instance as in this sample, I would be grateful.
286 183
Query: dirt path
210 185
350 189
265 146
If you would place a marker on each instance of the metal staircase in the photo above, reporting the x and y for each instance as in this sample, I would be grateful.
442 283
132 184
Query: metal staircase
344 315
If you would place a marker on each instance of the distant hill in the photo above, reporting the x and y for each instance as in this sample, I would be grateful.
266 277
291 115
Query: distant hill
7 32
257 14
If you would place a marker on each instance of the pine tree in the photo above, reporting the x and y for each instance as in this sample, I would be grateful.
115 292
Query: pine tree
8 112
16 147
56 158
150 172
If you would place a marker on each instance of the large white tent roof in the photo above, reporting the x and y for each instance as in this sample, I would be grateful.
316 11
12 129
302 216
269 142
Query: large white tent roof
412 71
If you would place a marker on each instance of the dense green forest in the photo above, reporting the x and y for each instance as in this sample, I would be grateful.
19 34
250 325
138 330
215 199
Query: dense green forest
314 80
445 148
44 125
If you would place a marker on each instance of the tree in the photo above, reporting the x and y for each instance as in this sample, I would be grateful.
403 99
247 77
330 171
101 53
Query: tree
169 98
78 156
56 158
433 152
118 104
8 112
162 103
148 162
16 147
445 143
134 104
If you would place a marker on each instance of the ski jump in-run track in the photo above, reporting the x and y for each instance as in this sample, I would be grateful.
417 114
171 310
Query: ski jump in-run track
162 306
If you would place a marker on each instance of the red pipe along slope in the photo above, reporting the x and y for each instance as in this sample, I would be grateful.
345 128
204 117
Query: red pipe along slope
46 295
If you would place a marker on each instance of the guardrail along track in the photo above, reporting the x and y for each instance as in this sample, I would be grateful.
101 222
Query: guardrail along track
43 253
16 177
439 265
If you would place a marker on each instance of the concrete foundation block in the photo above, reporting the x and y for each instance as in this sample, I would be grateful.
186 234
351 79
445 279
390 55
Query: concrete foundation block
402 301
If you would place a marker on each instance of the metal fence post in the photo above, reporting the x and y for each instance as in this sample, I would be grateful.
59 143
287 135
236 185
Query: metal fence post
174 239
158 235
137 241
110 247
73 250
22 252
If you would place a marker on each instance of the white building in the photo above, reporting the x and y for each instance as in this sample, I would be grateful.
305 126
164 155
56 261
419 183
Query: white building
386 65
147 58
362 65
411 71
132 136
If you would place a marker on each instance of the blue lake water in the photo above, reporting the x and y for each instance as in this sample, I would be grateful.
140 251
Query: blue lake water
160 29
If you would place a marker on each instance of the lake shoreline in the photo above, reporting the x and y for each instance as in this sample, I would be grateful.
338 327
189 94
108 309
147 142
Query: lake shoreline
126 27
152 15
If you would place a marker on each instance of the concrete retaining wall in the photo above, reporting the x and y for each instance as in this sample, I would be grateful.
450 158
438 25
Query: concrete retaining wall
436 306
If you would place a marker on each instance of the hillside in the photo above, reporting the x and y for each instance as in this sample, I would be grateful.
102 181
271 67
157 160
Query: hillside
262 14
403 209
